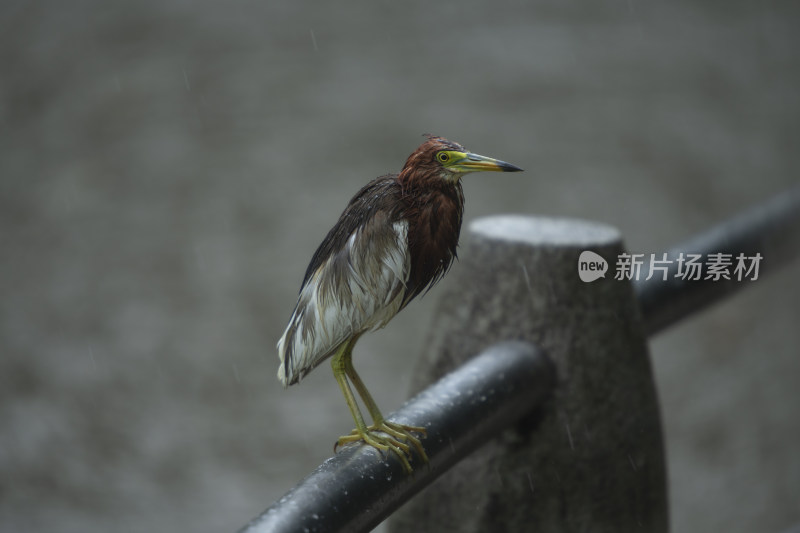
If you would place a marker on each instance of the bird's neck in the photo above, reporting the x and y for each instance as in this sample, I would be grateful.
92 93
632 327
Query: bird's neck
428 185
434 212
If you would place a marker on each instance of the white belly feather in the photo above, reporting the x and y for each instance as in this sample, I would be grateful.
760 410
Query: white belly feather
332 307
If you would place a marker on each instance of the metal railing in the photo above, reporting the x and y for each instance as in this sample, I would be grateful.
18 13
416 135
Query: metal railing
771 229
355 490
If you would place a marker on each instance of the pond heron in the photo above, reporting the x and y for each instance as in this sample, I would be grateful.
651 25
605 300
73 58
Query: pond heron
395 239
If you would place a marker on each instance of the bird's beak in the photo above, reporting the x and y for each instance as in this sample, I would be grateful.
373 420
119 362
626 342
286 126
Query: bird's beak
470 162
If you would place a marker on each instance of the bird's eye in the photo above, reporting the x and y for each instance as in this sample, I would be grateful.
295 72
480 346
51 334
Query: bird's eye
443 157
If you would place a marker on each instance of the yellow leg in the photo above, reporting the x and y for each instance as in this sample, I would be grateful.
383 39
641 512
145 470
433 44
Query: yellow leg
342 363
379 423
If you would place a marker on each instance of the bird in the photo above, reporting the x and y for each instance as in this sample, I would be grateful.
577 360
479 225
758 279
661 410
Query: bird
395 239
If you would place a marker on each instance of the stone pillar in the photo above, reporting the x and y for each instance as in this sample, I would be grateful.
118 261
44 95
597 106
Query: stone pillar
592 459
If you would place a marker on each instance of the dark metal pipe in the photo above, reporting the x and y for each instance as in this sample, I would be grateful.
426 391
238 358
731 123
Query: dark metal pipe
358 488
771 229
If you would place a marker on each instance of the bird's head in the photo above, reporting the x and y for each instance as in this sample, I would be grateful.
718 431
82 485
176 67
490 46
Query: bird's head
439 158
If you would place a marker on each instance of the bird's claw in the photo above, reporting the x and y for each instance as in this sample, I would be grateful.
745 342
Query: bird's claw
389 436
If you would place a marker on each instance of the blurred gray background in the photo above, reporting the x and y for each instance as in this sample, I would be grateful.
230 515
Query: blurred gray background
168 168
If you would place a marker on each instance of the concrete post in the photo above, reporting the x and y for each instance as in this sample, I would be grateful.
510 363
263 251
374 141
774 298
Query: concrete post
592 459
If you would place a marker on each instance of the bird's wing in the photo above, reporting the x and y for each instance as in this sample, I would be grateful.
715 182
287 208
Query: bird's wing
355 282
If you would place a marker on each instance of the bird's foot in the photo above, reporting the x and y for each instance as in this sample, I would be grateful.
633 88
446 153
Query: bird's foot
390 436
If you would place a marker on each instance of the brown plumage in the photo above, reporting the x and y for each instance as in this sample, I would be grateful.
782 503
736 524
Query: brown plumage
395 239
